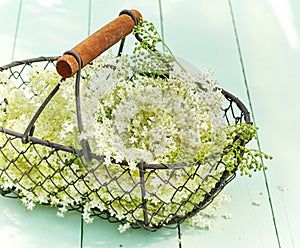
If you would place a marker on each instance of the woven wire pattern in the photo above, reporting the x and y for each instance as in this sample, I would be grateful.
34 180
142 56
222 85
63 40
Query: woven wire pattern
62 171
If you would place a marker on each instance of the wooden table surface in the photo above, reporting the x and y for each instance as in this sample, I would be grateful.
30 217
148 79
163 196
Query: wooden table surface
202 32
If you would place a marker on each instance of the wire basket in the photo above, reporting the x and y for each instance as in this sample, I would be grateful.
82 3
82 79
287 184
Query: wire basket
33 165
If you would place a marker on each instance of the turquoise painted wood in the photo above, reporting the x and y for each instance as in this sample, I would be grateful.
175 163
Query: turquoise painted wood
201 32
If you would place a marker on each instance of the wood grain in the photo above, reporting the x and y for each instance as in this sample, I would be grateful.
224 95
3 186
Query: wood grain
97 43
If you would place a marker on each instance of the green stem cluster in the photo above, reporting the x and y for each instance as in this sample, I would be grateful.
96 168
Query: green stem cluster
150 40
238 155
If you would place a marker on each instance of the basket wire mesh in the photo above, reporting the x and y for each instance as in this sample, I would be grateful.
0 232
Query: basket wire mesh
64 175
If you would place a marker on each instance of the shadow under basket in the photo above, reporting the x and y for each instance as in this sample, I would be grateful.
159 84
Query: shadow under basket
39 170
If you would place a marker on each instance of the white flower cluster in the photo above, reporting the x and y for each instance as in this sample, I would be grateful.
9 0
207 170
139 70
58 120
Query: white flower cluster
133 117
128 116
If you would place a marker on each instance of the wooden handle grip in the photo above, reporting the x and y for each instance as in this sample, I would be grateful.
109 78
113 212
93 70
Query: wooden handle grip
96 44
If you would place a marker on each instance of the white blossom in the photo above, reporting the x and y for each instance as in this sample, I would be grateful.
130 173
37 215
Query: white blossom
127 116
124 227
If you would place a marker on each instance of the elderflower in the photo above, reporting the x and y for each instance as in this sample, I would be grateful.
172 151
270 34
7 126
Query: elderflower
87 217
139 119
61 211
124 227
227 216
137 110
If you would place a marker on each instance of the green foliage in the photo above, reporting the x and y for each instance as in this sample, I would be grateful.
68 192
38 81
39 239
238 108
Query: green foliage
238 155
148 47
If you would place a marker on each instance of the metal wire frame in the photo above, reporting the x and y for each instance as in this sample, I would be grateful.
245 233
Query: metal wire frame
235 111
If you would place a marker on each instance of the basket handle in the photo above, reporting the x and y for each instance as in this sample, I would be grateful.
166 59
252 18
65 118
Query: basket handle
98 42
